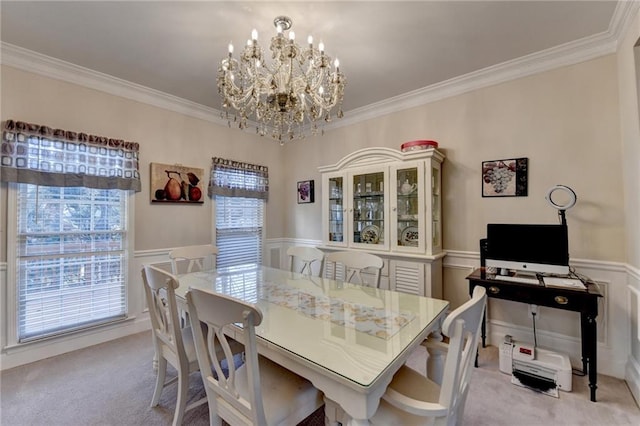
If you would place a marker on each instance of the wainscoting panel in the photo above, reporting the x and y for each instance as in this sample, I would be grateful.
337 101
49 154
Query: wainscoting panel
556 329
632 372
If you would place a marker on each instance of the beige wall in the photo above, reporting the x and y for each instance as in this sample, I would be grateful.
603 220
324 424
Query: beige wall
164 137
566 121
629 75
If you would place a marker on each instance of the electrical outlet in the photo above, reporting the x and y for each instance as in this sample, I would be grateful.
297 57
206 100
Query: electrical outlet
533 309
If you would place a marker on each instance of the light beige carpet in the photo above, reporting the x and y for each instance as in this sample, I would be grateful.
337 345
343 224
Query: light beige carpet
112 384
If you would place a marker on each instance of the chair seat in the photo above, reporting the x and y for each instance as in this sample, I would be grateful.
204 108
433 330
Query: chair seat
287 397
407 383
411 383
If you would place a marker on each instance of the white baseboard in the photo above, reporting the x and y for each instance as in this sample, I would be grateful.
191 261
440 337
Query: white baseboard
632 377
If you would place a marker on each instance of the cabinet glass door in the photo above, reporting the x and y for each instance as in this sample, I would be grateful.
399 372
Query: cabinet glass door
436 225
368 208
336 209
408 211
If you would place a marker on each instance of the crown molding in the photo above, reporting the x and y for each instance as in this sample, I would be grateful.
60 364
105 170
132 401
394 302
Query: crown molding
545 60
27 60
563 55
622 18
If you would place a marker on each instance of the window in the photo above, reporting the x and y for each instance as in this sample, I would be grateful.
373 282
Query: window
70 256
239 223
69 200
240 191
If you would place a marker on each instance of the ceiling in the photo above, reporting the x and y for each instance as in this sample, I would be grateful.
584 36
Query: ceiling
386 49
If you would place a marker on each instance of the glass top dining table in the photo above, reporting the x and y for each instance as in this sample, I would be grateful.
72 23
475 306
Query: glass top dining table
357 336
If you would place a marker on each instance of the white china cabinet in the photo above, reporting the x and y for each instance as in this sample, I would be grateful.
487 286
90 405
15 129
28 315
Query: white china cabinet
388 202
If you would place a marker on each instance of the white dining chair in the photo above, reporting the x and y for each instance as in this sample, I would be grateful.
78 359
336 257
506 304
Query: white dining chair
201 257
305 258
412 399
259 392
358 267
172 343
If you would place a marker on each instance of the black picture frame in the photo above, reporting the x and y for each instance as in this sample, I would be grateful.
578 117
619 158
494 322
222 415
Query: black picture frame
305 192
505 178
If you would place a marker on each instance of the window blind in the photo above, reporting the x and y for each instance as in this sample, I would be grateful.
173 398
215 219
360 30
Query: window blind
71 262
239 223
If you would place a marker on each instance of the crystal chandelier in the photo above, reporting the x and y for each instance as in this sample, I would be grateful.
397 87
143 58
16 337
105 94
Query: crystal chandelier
292 93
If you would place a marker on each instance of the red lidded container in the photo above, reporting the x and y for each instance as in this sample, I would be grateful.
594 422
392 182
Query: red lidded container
418 145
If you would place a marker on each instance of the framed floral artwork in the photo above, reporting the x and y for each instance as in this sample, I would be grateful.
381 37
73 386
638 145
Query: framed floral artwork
305 192
173 183
505 178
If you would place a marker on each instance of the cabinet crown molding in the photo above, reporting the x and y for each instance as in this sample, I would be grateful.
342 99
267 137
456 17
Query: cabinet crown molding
378 155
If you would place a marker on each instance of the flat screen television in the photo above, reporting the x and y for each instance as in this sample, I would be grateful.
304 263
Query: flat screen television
530 248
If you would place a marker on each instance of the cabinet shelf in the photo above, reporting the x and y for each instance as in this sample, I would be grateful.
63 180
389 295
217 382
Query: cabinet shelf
369 195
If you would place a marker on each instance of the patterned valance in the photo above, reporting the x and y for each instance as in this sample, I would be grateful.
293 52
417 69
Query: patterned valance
36 154
231 178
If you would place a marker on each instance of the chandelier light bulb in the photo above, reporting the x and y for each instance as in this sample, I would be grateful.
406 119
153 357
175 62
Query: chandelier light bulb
310 41
279 29
254 35
321 47
336 63
230 49
292 35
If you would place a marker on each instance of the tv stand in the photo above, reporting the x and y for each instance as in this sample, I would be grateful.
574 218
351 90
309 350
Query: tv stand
583 301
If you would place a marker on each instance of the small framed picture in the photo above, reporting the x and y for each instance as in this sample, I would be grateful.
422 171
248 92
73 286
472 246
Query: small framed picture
305 192
505 178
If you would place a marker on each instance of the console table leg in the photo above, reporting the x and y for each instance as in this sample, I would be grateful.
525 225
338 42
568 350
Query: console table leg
589 351
584 332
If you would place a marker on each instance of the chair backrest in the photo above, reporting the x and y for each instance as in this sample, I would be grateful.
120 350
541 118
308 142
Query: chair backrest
307 256
159 287
462 326
217 311
199 256
357 265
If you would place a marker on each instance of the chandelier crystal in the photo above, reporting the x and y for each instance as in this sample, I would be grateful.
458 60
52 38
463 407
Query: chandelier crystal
292 93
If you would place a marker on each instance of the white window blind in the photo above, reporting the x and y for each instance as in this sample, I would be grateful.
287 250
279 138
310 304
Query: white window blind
71 262
239 225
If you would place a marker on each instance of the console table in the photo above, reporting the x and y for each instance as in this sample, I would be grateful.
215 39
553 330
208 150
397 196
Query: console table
583 301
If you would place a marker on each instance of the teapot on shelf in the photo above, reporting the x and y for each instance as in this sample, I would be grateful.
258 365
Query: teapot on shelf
407 188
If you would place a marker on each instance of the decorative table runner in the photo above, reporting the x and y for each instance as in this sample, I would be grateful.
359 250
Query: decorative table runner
378 322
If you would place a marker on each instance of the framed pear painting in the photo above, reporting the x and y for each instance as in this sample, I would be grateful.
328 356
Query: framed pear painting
174 183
